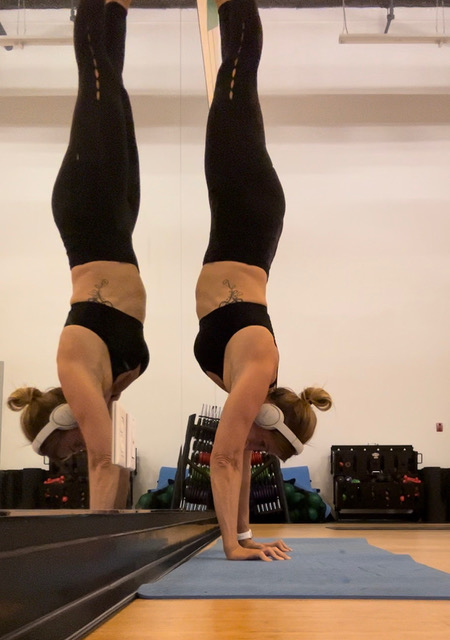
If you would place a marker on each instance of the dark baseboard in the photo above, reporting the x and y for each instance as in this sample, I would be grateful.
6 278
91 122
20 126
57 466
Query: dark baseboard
64 572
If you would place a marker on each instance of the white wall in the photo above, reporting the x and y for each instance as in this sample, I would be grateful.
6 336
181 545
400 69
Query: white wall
359 290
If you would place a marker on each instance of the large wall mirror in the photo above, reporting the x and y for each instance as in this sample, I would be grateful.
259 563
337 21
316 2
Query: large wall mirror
358 294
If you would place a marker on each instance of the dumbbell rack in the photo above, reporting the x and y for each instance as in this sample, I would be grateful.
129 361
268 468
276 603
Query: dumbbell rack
267 496
192 486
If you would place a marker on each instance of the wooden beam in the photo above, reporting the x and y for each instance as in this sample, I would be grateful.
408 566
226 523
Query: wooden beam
208 21
388 38
22 41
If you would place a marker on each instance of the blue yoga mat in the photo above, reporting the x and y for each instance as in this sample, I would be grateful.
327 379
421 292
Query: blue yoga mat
320 568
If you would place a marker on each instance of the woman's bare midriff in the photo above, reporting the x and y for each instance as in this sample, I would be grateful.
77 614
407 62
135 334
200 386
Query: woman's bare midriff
226 282
117 284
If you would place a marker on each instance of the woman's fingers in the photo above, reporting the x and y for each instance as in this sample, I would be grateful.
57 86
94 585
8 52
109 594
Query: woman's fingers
275 553
279 544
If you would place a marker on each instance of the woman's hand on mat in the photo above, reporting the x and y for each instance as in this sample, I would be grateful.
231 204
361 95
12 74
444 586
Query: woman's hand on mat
243 553
276 550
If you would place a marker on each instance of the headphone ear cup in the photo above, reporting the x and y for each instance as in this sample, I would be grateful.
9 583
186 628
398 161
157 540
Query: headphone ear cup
63 417
269 416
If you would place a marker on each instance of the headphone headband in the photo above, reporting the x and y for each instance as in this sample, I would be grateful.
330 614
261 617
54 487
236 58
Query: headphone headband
60 418
271 417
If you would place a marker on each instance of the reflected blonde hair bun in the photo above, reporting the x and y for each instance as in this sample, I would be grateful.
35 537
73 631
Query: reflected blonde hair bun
36 407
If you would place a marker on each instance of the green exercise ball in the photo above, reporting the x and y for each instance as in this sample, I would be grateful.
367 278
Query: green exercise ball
145 501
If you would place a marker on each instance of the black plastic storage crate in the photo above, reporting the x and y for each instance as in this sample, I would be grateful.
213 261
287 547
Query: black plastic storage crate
64 486
377 481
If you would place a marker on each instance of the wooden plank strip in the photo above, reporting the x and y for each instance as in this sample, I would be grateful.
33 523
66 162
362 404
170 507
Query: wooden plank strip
22 41
387 38
208 21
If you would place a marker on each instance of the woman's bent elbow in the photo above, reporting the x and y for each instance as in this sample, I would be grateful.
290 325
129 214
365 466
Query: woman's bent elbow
99 460
224 461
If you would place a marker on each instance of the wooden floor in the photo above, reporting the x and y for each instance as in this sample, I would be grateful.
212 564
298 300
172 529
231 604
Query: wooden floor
301 619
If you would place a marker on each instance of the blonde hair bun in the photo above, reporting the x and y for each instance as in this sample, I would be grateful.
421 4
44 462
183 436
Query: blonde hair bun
36 407
318 397
22 397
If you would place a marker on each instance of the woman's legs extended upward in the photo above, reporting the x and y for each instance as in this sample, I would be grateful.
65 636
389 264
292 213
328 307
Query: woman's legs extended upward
235 122
245 194
95 206
97 189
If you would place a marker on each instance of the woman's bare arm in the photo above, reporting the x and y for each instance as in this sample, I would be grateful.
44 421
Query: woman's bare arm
84 382
227 459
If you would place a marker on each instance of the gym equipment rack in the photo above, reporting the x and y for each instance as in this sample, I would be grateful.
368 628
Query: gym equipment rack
192 486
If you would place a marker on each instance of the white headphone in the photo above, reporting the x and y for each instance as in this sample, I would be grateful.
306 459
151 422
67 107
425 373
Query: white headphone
60 418
271 417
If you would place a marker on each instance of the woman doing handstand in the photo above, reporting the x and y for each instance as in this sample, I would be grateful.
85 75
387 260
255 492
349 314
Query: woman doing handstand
235 345
95 206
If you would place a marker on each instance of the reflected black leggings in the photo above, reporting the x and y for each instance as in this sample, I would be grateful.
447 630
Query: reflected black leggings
246 197
96 194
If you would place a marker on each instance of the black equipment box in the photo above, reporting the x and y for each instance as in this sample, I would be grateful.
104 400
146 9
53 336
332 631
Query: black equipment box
377 481
64 486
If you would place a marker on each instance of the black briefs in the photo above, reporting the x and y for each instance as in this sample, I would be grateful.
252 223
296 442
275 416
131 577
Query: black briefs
245 195
96 194
219 326
122 334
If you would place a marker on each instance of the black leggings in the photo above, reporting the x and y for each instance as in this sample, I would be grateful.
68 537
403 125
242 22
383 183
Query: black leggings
246 197
96 194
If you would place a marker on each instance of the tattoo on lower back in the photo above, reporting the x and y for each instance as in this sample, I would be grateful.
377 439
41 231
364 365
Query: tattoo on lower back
96 294
233 294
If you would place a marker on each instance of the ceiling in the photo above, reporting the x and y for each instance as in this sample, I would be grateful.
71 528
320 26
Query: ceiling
185 4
